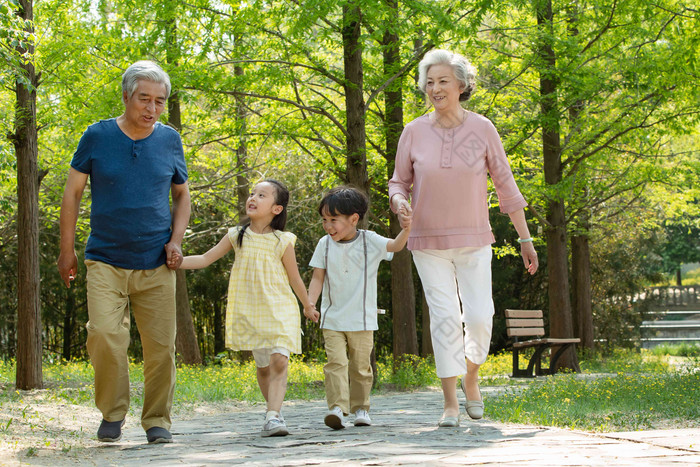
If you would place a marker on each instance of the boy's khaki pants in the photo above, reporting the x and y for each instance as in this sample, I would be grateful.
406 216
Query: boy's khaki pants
151 294
348 373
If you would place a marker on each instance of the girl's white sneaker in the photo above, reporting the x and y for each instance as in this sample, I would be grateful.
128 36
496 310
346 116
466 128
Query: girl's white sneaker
274 426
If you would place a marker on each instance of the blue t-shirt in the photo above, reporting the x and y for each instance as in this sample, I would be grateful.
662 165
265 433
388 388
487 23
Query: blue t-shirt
130 220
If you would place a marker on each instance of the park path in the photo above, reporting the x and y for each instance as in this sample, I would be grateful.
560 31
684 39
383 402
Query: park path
404 433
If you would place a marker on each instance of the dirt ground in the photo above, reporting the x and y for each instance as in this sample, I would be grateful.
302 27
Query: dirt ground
39 428
38 425
36 430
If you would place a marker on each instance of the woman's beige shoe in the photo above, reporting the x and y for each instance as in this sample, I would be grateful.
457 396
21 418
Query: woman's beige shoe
448 422
475 409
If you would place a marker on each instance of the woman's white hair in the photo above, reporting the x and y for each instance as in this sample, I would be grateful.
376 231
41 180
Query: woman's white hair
464 71
144 70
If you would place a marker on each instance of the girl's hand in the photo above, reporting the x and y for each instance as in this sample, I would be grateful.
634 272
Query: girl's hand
173 254
527 251
174 260
311 313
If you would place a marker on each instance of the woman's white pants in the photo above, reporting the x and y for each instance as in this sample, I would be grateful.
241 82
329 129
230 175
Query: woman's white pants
448 278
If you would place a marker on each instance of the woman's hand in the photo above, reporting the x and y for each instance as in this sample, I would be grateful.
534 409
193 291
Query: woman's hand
527 251
404 211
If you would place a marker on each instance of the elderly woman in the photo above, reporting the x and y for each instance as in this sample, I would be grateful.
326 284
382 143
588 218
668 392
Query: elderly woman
441 166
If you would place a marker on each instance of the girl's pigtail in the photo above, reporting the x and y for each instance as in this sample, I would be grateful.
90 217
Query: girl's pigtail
241 232
281 198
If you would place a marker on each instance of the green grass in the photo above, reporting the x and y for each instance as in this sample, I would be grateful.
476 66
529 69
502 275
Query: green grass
682 350
623 391
691 277
624 402
626 390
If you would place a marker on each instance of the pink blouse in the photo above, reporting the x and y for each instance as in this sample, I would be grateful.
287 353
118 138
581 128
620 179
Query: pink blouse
443 173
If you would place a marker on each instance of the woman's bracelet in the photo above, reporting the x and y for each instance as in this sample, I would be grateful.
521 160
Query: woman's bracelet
524 240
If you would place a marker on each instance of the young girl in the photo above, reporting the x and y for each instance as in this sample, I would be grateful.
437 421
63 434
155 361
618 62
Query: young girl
262 314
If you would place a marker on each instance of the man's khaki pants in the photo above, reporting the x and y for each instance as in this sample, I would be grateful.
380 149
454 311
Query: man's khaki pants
348 373
151 294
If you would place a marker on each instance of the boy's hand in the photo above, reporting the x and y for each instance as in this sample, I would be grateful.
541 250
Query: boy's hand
311 313
405 215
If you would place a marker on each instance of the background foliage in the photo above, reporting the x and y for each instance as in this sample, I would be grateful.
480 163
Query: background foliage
262 87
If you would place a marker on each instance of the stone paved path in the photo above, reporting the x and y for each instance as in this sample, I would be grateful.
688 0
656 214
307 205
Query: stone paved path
404 433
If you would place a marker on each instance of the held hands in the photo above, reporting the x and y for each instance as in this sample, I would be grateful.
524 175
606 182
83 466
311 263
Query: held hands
174 256
311 313
405 214
527 251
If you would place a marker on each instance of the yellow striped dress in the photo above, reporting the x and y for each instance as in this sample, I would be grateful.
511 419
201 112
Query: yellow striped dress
262 310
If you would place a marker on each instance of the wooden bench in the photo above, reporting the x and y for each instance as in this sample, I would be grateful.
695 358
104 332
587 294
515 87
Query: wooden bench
528 324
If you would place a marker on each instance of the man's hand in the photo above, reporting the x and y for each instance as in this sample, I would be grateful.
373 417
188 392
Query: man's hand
173 253
67 266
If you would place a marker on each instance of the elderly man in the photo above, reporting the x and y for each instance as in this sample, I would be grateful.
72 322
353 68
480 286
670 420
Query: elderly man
134 164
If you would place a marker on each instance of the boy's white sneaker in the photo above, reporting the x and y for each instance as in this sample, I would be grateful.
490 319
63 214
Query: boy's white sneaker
362 418
334 418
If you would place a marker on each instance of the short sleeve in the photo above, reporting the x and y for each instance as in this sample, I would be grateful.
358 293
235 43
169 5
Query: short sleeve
318 260
180 174
285 239
378 244
82 159
233 235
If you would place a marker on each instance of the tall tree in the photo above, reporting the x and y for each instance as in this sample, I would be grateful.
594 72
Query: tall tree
560 317
581 287
580 248
25 140
609 126
186 338
403 301
681 244
356 163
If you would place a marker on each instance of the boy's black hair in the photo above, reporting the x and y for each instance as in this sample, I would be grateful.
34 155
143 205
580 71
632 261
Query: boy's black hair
345 200
282 199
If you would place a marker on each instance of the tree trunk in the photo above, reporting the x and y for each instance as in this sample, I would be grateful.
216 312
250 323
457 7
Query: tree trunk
186 339
356 165
29 344
560 319
581 278
68 325
403 301
242 188
219 330
580 249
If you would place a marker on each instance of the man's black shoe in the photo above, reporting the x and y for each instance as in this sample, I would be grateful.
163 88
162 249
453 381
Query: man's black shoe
110 432
158 435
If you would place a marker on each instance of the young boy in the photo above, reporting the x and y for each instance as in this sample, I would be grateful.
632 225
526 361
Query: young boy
345 267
